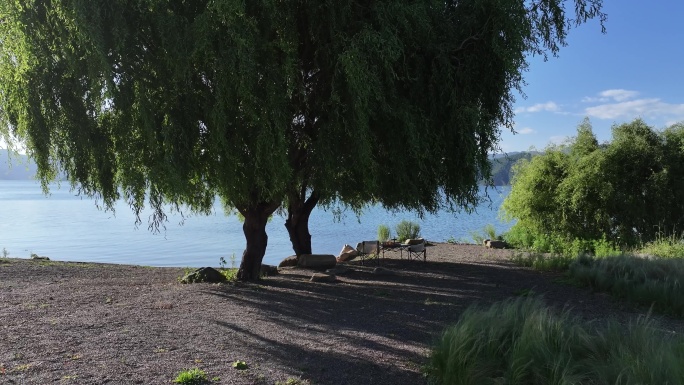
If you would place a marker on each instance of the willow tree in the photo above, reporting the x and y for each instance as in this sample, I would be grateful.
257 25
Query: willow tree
426 88
263 102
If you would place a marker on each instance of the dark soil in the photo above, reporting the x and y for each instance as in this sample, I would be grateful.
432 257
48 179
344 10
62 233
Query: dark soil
86 323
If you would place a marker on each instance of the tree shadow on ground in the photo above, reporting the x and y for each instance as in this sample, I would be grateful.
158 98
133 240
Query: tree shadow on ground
375 328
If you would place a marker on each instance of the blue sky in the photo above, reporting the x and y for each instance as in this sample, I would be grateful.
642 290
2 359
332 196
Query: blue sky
635 70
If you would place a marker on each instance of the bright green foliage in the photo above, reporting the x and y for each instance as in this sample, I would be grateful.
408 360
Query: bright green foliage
264 102
620 193
194 376
665 247
407 230
384 233
525 342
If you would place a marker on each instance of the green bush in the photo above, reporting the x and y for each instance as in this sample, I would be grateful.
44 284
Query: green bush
521 237
384 233
666 247
194 376
407 230
523 342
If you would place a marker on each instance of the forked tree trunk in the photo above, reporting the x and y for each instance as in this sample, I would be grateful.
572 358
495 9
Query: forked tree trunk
255 233
297 223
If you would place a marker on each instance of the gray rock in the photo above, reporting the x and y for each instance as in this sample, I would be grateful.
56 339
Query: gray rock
39 258
268 270
289 261
317 261
496 245
203 274
320 277
339 270
383 271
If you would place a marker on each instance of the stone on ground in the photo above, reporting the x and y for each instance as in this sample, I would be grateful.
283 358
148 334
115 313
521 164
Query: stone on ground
317 261
289 261
203 274
320 277
268 270
496 245
383 271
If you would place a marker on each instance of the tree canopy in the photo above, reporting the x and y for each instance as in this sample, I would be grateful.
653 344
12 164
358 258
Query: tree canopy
627 191
265 102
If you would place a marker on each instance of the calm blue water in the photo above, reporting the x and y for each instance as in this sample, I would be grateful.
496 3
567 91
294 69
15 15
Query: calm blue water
69 228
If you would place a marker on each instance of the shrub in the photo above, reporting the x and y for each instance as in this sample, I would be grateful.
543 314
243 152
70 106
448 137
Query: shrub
407 230
521 237
523 342
194 376
666 247
384 233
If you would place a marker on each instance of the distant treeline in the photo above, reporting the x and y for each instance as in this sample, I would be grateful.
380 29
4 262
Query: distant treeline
19 167
16 166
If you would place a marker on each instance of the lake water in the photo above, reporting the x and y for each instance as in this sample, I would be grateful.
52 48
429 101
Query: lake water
66 227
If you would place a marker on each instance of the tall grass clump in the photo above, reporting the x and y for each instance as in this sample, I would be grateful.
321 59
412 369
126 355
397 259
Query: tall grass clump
384 233
543 262
636 353
652 282
524 342
512 342
407 230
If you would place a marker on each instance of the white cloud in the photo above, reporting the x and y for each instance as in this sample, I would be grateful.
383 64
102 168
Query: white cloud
636 108
525 131
616 95
539 107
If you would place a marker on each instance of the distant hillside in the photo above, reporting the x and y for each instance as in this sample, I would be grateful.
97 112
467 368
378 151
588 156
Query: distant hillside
19 167
16 166
502 164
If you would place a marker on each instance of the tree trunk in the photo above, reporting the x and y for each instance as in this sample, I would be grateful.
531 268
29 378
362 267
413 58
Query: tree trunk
254 228
297 223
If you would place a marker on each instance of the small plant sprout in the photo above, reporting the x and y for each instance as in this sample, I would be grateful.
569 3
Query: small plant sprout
240 365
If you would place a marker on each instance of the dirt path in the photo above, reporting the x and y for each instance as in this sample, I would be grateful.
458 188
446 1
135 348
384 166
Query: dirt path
82 323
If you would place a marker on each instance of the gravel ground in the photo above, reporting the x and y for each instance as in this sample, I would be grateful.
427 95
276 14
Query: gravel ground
87 323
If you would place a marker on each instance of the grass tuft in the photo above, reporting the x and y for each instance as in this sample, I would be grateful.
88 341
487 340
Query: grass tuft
543 262
194 376
524 342
653 282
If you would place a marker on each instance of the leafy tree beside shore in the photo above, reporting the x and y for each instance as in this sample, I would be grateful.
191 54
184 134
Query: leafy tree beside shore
268 103
626 192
